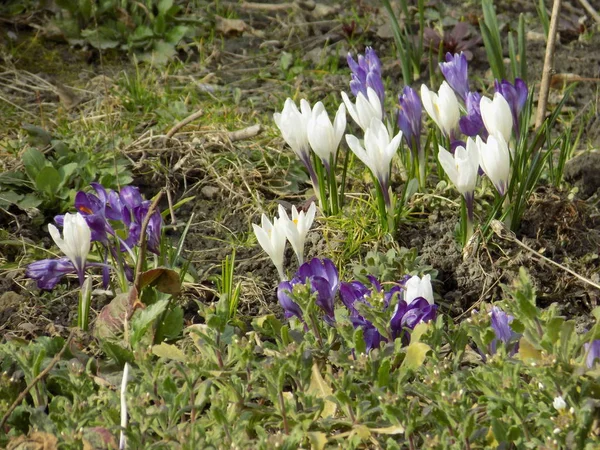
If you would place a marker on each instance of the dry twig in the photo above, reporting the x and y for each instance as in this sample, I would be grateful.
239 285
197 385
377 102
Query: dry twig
501 231
591 11
245 133
179 125
548 61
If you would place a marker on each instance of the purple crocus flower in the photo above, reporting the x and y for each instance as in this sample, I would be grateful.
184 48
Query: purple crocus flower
472 124
407 316
409 118
324 281
93 208
48 272
404 316
503 331
290 307
592 350
515 95
153 231
354 292
366 73
455 71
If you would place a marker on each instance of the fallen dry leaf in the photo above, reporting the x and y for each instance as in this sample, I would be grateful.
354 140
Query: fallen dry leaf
230 27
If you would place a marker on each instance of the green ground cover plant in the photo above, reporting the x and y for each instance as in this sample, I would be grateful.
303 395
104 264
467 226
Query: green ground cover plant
153 300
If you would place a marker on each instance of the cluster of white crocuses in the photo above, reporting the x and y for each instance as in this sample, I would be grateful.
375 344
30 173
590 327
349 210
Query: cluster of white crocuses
272 236
310 128
488 126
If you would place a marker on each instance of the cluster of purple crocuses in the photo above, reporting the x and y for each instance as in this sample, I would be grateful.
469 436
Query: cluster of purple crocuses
506 336
115 221
412 297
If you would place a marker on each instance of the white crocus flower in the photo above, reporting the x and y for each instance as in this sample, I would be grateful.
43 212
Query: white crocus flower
271 237
365 108
461 168
323 136
559 403
494 158
76 241
378 153
497 116
442 107
297 227
293 124
417 287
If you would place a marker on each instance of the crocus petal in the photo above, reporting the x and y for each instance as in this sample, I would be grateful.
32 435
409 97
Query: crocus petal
494 158
409 117
497 116
290 308
416 287
48 272
593 353
76 242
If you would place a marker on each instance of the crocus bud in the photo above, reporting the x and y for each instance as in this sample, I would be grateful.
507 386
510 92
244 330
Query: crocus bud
378 154
366 108
297 228
409 117
293 124
323 136
461 168
416 287
559 403
366 74
472 123
76 241
515 95
455 71
271 237
494 159
497 116
442 108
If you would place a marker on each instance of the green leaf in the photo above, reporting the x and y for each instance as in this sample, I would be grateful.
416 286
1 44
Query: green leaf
164 280
160 55
85 9
320 389
394 429
359 341
143 319
286 60
117 352
102 38
176 34
48 181
10 198
160 25
168 351
172 325
318 440
13 178
383 374
141 33
415 355
553 329
66 171
164 6
34 161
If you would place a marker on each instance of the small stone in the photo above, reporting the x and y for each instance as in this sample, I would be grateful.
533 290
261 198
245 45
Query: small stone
209 192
